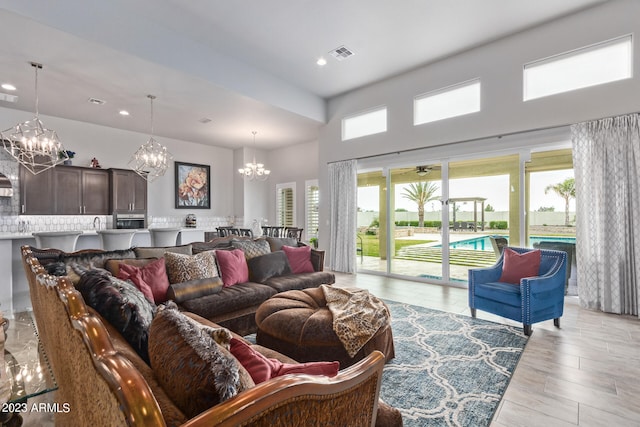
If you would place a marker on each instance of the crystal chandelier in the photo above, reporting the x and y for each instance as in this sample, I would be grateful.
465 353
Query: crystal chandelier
254 171
152 159
31 144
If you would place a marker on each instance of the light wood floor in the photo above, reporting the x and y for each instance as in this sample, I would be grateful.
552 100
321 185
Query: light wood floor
587 373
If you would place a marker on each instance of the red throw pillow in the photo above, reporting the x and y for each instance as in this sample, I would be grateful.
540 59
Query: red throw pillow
233 267
151 279
515 266
328 369
262 368
259 367
299 259
135 276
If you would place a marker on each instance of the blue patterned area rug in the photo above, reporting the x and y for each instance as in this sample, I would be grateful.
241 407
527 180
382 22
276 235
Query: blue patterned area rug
449 370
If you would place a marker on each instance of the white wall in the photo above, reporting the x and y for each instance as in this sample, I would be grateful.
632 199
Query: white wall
499 66
114 147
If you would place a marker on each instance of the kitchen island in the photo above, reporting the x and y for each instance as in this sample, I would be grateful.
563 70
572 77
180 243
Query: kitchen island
14 289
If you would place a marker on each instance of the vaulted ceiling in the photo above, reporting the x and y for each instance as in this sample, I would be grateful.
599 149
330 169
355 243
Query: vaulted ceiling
245 64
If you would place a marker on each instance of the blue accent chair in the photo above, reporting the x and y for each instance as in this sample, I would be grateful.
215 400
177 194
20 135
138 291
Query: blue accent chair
536 299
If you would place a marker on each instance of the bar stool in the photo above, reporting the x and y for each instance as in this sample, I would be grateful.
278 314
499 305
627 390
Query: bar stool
115 239
63 240
162 237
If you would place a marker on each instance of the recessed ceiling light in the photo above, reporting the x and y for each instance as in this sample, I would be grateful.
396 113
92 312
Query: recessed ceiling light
123 112
8 86
321 62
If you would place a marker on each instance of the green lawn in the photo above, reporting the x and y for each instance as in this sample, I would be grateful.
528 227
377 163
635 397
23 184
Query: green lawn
371 244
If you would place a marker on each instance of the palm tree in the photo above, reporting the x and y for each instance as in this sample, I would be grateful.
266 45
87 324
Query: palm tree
421 193
567 190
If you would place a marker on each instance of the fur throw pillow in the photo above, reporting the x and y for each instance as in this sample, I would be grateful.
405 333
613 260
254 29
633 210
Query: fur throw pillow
192 363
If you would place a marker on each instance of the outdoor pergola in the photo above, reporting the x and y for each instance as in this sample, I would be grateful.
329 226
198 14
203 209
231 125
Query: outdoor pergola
475 201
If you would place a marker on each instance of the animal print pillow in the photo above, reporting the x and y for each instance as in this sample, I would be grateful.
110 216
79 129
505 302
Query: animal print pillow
183 268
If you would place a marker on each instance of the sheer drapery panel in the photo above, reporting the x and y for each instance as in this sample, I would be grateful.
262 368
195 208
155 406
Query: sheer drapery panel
606 161
343 183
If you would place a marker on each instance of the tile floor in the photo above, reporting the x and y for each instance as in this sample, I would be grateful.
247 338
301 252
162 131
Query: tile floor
585 373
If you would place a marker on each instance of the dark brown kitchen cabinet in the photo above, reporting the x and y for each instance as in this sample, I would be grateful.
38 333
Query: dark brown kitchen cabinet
128 191
81 191
36 192
64 190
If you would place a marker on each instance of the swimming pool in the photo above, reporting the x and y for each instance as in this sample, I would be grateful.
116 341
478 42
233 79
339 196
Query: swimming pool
483 243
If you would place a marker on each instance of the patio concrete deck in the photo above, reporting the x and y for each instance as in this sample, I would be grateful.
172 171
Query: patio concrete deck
421 269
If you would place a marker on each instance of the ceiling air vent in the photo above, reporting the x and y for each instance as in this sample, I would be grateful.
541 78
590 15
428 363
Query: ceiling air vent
96 101
341 53
8 98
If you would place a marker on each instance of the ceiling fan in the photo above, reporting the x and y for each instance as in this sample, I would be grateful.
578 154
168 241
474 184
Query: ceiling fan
423 170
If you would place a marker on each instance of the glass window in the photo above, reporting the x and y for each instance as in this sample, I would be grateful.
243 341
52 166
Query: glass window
311 208
452 101
286 204
369 123
589 66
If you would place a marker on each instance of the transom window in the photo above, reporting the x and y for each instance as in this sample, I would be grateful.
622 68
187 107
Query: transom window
363 124
452 101
589 66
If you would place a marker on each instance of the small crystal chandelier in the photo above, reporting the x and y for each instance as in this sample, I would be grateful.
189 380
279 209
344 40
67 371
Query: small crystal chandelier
31 144
254 171
152 159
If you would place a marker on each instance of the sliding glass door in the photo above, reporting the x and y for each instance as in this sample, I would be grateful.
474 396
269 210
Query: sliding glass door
551 208
415 219
483 194
372 213
434 221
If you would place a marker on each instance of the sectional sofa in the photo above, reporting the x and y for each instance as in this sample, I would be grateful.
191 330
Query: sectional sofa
106 381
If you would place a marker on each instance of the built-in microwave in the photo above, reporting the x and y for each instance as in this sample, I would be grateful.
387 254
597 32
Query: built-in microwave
129 220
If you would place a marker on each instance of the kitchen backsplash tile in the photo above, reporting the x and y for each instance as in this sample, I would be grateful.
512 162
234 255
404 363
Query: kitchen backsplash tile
31 223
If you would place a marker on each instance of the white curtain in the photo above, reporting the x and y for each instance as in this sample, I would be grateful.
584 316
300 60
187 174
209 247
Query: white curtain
606 158
343 183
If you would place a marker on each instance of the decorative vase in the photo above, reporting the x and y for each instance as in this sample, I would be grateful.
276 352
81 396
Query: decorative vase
67 162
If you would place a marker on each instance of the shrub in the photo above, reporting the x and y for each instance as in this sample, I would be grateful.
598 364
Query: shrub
498 225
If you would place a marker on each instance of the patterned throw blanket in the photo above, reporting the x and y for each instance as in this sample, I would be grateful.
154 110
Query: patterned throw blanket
357 316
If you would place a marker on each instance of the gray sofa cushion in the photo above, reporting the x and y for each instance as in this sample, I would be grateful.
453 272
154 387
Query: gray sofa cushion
276 243
266 266
301 281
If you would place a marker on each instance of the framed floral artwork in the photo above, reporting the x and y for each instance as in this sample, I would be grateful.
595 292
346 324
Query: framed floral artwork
193 190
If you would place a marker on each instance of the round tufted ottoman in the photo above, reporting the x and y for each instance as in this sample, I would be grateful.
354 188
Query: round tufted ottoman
298 324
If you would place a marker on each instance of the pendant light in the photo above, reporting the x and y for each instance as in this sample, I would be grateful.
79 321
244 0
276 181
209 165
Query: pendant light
254 171
33 145
152 159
